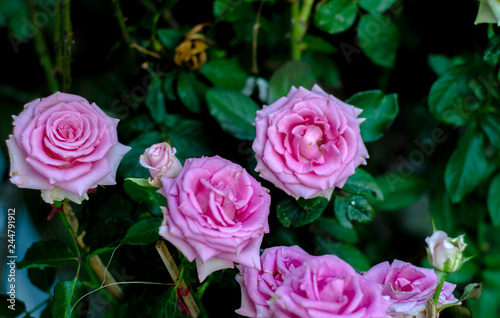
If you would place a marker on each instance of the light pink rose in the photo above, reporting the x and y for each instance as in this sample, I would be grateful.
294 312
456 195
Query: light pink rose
445 253
409 287
161 161
308 143
257 287
217 214
63 145
326 286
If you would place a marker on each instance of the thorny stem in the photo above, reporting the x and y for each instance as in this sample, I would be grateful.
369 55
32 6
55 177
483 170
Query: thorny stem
121 22
441 278
300 18
255 67
68 42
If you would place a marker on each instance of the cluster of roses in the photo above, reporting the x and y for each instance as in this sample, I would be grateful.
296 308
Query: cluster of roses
307 144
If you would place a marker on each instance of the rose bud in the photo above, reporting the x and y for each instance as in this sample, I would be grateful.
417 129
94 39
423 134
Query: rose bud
161 162
445 253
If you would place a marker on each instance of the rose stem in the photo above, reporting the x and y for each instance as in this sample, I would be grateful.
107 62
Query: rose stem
165 255
255 67
300 18
68 41
57 41
441 277
95 261
41 50
121 22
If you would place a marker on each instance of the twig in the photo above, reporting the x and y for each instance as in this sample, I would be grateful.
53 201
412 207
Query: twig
57 41
68 42
121 22
145 51
255 67
165 255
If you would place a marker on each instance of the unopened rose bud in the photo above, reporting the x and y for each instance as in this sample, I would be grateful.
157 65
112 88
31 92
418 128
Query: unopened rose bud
445 253
161 162
489 12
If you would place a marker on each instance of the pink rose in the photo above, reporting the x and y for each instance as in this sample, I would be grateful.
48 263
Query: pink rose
217 214
308 143
161 161
63 145
445 253
326 286
257 287
409 287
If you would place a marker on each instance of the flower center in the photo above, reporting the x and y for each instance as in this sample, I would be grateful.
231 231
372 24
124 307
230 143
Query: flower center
309 145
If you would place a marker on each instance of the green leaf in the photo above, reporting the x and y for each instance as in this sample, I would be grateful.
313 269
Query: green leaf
225 74
155 100
166 304
376 6
66 295
53 253
440 63
400 190
447 97
353 208
467 166
490 124
471 291
347 252
492 52
234 111
293 73
101 251
129 166
361 182
231 11
43 278
318 44
494 200
170 37
107 233
379 111
330 226
335 16
144 193
187 93
324 68
168 84
378 37
190 139
300 212
11 307
459 312
143 232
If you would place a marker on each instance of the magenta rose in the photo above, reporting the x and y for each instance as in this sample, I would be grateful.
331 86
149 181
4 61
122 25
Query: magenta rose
326 286
64 146
409 287
161 162
258 286
308 143
217 214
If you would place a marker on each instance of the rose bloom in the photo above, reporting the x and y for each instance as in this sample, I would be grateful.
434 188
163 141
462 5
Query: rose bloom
308 143
326 286
445 253
64 146
161 161
258 286
489 12
217 214
409 287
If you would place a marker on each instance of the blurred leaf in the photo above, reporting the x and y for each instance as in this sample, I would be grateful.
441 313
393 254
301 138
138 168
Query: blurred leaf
18 306
494 200
168 84
330 226
490 124
293 73
101 251
379 111
378 37
335 16
318 44
459 311
155 101
441 208
66 295
165 304
440 63
106 233
43 278
447 96
471 291
467 166
129 166
47 312
376 6
20 26
353 208
361 182
300 212
400 190
136 124
324 68
190 139
145 194
170 37
231 10
492 51
143 232
234 111
53 253
347 252
224 74
187 93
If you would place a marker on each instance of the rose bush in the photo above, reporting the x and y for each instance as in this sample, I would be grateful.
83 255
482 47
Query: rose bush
308 143
259 286
326 286
409 287
64 146
161 161
217 214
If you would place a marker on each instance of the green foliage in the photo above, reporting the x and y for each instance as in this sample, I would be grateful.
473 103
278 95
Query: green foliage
291 74
170 37
399 190
494 200
155 101
353 208
378 37
52 253
140 191
361 182
5 311
335 16
186 90
224 74
67 303
129 166
189 138
376 6
300 212
43 278
143 232
379 111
